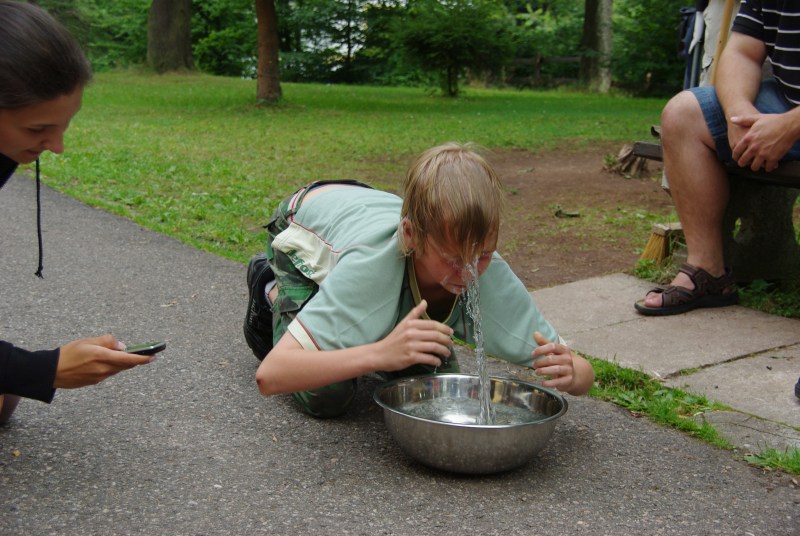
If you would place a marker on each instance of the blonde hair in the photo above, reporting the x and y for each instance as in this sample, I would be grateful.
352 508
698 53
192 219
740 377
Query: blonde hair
452 194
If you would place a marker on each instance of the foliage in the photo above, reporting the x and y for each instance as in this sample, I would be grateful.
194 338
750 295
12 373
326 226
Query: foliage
398 42
650 270
320 38
771 298
453 36
643 395
114 34
549 31
788 460
645 51
224 35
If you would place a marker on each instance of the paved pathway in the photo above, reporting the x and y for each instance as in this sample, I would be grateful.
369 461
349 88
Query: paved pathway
186 445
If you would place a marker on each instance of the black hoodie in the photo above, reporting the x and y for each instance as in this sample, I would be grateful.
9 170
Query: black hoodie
24 373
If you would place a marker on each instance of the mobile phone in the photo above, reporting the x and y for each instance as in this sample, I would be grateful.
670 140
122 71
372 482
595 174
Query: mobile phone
149 348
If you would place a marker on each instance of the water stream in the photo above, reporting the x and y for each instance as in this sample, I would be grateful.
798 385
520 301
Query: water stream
472 302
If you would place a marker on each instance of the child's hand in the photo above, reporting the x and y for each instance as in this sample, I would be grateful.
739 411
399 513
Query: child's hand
415 341
555 361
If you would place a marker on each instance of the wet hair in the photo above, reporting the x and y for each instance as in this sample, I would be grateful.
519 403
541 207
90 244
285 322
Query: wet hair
39 58
452 195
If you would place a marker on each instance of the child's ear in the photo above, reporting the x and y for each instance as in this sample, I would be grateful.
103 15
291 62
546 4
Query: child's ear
407 228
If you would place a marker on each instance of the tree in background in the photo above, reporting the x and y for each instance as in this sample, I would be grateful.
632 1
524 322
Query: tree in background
114 34
547 39
373 41
268 87
596 46
645 57
224 37
169 45
449 37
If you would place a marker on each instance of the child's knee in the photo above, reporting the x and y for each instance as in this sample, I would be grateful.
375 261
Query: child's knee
329 401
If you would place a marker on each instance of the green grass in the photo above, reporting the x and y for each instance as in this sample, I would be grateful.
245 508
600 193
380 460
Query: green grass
643 395
193 157
787 460
764 296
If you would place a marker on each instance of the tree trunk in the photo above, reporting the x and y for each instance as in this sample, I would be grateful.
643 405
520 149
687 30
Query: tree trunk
268 87
169 42
596 45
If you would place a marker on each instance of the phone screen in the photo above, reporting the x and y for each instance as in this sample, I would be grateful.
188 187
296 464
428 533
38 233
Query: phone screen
149 348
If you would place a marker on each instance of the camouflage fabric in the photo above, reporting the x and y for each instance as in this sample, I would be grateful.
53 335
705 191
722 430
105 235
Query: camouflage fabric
294 291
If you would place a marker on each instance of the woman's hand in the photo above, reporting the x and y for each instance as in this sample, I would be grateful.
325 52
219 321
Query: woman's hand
90 361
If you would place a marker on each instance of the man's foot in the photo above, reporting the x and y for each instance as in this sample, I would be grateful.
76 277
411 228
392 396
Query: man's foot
258 320
707 291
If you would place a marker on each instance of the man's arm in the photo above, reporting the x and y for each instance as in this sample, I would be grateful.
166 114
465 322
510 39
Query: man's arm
757 140
739 77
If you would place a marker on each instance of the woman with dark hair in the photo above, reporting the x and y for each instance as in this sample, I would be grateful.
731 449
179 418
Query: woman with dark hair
42 75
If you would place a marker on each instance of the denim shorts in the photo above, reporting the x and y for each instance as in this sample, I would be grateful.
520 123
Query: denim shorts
770 100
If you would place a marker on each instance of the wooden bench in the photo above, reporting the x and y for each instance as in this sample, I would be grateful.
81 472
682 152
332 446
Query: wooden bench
759 237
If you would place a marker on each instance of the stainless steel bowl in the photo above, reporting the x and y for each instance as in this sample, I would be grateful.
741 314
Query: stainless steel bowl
434 420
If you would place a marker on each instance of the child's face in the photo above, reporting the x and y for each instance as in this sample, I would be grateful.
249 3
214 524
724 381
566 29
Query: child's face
27 132
441 264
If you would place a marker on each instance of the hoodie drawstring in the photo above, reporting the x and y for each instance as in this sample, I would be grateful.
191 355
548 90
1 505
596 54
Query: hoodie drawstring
39 218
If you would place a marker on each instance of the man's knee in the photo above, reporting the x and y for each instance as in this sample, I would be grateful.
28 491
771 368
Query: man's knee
681 114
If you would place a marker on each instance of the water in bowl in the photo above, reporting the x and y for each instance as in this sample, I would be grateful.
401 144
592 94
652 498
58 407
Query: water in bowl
467 411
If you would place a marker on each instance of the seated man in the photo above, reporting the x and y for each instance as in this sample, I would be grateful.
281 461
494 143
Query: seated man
360 281
743 120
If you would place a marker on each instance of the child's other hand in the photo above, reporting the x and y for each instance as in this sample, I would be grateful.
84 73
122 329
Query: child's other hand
555 361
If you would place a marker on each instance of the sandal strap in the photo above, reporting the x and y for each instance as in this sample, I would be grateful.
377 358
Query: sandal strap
706 284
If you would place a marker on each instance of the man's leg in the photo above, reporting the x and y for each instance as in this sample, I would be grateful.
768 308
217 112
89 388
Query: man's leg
698 184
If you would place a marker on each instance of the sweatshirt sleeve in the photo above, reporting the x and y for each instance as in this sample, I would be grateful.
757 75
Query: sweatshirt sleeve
28 374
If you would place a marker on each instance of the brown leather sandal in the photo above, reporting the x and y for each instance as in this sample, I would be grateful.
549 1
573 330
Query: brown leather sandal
708 291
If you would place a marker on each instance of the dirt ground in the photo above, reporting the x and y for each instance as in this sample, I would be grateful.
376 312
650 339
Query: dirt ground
571 219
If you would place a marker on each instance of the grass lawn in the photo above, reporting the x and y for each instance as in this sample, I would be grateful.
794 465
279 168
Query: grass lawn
193 157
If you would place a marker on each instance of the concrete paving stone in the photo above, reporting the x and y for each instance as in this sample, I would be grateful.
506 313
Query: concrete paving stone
591 303
751 434
660 346
760 385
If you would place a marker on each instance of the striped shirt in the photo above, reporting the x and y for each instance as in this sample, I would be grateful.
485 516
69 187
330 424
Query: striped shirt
777 24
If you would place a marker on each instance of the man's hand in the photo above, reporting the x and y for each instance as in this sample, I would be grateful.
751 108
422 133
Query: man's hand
765 140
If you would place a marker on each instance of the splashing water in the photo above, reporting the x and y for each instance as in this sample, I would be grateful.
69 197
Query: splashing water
473 305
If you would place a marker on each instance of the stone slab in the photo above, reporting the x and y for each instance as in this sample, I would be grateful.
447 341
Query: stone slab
760 385
660 346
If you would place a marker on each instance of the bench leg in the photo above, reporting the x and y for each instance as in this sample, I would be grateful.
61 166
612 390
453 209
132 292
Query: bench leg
764 243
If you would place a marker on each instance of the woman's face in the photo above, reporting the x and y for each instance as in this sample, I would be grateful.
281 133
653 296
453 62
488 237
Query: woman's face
27 132
441 265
